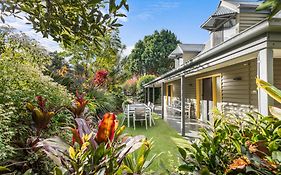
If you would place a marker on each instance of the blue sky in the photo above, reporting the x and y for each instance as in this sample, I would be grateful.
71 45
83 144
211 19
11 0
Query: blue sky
183 17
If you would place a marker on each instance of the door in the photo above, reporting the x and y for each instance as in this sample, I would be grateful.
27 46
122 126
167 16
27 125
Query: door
207 97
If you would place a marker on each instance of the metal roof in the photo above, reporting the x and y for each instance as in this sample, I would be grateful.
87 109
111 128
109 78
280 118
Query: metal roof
181 48
220 16
223 11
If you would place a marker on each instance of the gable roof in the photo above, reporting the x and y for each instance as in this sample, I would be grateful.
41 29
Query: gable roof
227 9
181 48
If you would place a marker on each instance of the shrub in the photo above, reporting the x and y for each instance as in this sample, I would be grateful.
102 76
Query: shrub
238 145
129 87
140 89
21 65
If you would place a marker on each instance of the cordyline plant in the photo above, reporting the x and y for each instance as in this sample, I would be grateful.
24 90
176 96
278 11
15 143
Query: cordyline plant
41 115
93 151
249 144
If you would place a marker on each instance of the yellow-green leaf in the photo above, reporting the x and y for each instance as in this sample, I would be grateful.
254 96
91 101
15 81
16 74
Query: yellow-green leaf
71 152
270 89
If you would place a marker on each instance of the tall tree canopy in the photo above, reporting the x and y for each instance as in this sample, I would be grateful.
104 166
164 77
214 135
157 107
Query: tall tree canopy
150 55
75 21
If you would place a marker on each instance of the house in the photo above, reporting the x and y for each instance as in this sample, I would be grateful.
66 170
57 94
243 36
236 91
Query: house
244 44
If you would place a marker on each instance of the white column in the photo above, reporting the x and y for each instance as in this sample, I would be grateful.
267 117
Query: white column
182 106
162 100
265 72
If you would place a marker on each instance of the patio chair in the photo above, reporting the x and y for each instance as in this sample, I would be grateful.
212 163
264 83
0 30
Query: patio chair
188 109
140 114
152 107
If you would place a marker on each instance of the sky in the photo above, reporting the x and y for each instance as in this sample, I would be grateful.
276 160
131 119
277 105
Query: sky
182 17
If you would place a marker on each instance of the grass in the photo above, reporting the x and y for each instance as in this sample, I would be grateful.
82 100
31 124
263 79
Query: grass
162 135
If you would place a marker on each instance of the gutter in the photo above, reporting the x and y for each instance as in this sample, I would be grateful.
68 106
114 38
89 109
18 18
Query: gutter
245 35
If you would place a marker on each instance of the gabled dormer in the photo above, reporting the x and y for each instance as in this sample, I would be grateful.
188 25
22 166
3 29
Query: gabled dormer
231 18
185 52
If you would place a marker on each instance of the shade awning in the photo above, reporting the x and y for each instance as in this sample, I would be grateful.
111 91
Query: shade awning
220 17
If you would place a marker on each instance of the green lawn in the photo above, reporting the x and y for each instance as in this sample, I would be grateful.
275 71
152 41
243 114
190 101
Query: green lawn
162 135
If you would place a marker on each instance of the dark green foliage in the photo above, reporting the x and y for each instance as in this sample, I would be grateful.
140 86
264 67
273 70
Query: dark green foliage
68 22
21 65
245 145
150 55
140 89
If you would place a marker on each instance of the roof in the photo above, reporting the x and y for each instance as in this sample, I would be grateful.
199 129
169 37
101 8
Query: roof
253 31
219 17
221 11
181 48
226 11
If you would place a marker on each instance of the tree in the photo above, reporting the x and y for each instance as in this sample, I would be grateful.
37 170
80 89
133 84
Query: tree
150 55
274 5
75 21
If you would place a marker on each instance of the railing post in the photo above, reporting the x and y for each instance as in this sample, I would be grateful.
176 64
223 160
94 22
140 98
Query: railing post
182 106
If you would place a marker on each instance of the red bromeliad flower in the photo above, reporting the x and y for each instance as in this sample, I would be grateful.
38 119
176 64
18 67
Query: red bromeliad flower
100 77
78 105
107 128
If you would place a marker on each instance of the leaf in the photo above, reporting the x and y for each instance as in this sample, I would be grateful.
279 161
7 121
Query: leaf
2 169
182 152
28 172
276 112
185 167
270 89
276 155
265 5
71 152
237 145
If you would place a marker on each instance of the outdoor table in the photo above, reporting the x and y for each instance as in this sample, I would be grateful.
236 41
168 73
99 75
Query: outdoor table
131 110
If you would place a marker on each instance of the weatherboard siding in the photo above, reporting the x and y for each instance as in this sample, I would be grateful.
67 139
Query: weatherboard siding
246 20
238 96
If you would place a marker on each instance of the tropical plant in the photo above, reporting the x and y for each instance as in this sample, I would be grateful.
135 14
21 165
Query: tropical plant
136 162
247 144
21 68
100 102
93 151
273 5
100 77
68 22
140 89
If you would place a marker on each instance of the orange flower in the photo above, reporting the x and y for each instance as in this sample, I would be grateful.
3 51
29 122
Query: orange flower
107 128
239 164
